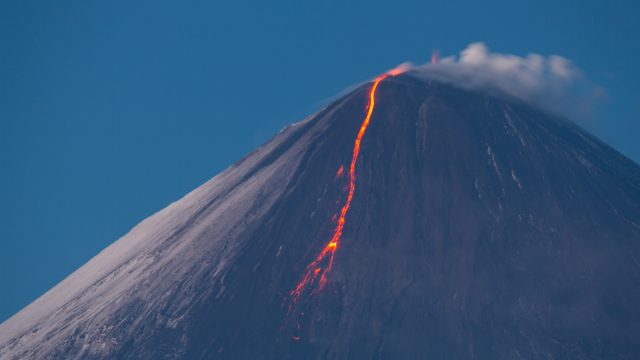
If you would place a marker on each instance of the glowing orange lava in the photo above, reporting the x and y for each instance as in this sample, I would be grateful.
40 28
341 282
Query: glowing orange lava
316 272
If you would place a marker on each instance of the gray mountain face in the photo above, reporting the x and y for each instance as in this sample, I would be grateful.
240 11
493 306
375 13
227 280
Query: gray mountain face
479 229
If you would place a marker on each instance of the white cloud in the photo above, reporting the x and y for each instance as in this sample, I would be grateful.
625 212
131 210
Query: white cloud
551 83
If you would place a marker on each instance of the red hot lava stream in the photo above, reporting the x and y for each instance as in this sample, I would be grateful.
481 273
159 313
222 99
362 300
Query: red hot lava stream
316 272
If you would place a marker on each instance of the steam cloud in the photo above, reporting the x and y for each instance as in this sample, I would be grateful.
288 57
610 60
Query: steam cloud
551 83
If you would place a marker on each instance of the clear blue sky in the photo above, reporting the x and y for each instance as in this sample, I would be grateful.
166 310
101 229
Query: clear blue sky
110 110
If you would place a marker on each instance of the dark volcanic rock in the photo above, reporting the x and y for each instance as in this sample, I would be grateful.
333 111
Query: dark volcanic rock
480 229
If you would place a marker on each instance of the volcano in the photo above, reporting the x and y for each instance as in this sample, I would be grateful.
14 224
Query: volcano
476 227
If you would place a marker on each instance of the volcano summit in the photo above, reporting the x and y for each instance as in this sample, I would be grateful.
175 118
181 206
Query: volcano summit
407 219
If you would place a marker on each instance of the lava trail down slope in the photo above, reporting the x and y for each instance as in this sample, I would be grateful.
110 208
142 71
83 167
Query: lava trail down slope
317 271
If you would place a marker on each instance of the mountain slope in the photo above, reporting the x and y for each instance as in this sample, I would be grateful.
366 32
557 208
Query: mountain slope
479 228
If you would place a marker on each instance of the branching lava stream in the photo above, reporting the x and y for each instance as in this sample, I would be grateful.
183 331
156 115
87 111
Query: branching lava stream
316 272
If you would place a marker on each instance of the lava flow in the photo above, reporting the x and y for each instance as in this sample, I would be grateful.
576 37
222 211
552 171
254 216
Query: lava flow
316 272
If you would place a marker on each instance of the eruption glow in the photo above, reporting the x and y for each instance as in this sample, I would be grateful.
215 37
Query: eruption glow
316 272
435 56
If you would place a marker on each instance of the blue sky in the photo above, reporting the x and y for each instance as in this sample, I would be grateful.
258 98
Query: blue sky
110 110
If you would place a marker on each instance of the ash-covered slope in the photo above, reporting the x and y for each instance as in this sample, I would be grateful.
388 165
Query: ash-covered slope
479 229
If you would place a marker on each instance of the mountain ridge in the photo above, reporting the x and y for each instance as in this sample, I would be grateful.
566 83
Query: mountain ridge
454 189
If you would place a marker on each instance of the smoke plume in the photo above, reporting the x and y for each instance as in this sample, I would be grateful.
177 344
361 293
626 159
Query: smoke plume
551 83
